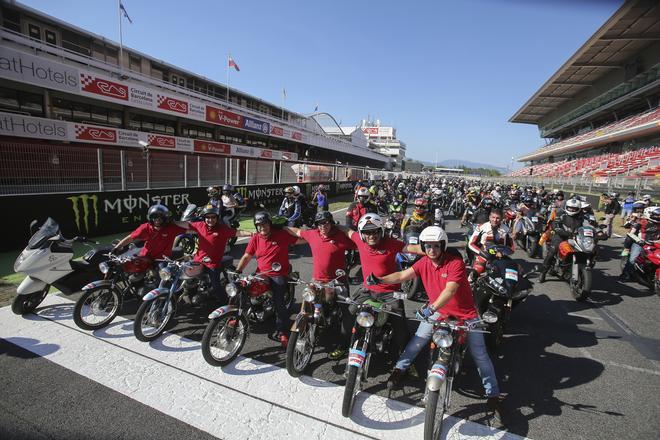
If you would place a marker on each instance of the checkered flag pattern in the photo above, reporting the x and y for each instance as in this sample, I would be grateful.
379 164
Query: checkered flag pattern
80 129
86 79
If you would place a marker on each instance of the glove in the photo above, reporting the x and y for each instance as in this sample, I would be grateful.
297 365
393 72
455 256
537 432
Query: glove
425 312
372 280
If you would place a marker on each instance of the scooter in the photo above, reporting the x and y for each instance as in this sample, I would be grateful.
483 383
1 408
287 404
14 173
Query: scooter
47 261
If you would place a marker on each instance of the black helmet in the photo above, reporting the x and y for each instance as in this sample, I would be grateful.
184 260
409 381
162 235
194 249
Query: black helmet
227 187
560 194
262 217
487 203
212 191
323 216
210 209
156 211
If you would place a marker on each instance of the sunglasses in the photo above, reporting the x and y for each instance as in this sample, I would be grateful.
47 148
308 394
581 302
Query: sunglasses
371 232
324 223
432 245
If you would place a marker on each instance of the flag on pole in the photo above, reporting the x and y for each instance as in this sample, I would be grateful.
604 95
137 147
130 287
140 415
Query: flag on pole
284 93
316 108
123 10
233 64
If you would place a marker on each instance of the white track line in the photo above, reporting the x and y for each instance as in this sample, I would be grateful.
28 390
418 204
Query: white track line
245 400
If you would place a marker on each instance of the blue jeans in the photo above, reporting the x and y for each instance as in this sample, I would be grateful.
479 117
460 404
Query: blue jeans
476 346
280 285
217 290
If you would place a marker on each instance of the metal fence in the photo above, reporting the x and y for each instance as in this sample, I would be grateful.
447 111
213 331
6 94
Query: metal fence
27 168
589 184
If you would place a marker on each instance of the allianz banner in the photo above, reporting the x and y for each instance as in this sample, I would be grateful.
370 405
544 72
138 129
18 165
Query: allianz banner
94 214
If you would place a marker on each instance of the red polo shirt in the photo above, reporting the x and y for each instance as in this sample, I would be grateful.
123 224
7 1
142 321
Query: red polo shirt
158 242
379 260
327 252
271 249
212 241
435 279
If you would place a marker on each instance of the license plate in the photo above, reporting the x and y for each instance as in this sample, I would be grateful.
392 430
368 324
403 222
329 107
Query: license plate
511 274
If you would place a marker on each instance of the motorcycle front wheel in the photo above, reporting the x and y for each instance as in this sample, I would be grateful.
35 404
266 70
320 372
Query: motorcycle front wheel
96 308
24 304
581 288
299 351
411 288
224 339
435 413
349 391
152 318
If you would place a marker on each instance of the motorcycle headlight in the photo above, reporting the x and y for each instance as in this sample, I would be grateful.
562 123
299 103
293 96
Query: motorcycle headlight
389 224
19 261
165 274
365 319
308 294
442 338
103 267
231 290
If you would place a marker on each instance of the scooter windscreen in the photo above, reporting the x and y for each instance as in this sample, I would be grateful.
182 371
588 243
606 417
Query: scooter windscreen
49 229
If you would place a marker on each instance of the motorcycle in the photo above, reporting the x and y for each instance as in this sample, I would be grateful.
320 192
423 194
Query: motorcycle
250 299
123 277
413 288
498 291
47 260
318 311
447 349
532 228
372 332
179 280
574 261
393 225
646 268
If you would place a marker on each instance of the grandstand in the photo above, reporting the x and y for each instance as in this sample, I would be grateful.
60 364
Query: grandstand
600 112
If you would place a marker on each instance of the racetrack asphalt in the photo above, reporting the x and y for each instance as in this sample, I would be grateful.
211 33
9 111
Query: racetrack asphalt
570 369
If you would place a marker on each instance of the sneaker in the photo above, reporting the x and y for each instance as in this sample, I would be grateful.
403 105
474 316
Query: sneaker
395 378
338 353
494 405
284 340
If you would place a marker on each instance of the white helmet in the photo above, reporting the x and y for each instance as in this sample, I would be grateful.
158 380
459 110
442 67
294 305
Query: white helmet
573 206
401 185
296 190
363 192
369 222
585 205
648 212
433 234
437 192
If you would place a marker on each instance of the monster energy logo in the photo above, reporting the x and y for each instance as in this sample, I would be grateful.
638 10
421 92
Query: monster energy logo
84 200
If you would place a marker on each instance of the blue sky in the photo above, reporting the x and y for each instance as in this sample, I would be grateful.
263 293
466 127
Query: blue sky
447 74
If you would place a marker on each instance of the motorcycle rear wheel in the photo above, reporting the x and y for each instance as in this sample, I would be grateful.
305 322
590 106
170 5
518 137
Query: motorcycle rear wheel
298 358
24 304
435 413
349 391
145 327
96 302
230 329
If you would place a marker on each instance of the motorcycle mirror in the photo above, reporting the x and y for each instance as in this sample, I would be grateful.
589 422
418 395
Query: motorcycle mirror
276 267
33 226
340 273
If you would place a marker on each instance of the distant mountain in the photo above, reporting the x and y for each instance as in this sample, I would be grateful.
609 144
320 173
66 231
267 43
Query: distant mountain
455 163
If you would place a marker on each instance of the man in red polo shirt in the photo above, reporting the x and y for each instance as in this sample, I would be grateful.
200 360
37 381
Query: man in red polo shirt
213 236
443 274
158 233
270 246
378 257
328 245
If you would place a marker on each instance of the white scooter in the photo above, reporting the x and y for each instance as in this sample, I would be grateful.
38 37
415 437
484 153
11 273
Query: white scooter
48 261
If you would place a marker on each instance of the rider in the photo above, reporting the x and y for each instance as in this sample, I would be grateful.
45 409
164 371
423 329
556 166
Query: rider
419 219
567 220
482 213
271 246
158 233
442 272
327 244
213 236
378 257
214 195
321 198
647 229
491 232
291 207
232 203
354 213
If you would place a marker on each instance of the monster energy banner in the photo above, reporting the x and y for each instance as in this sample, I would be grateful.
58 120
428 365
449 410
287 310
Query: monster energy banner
95 214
